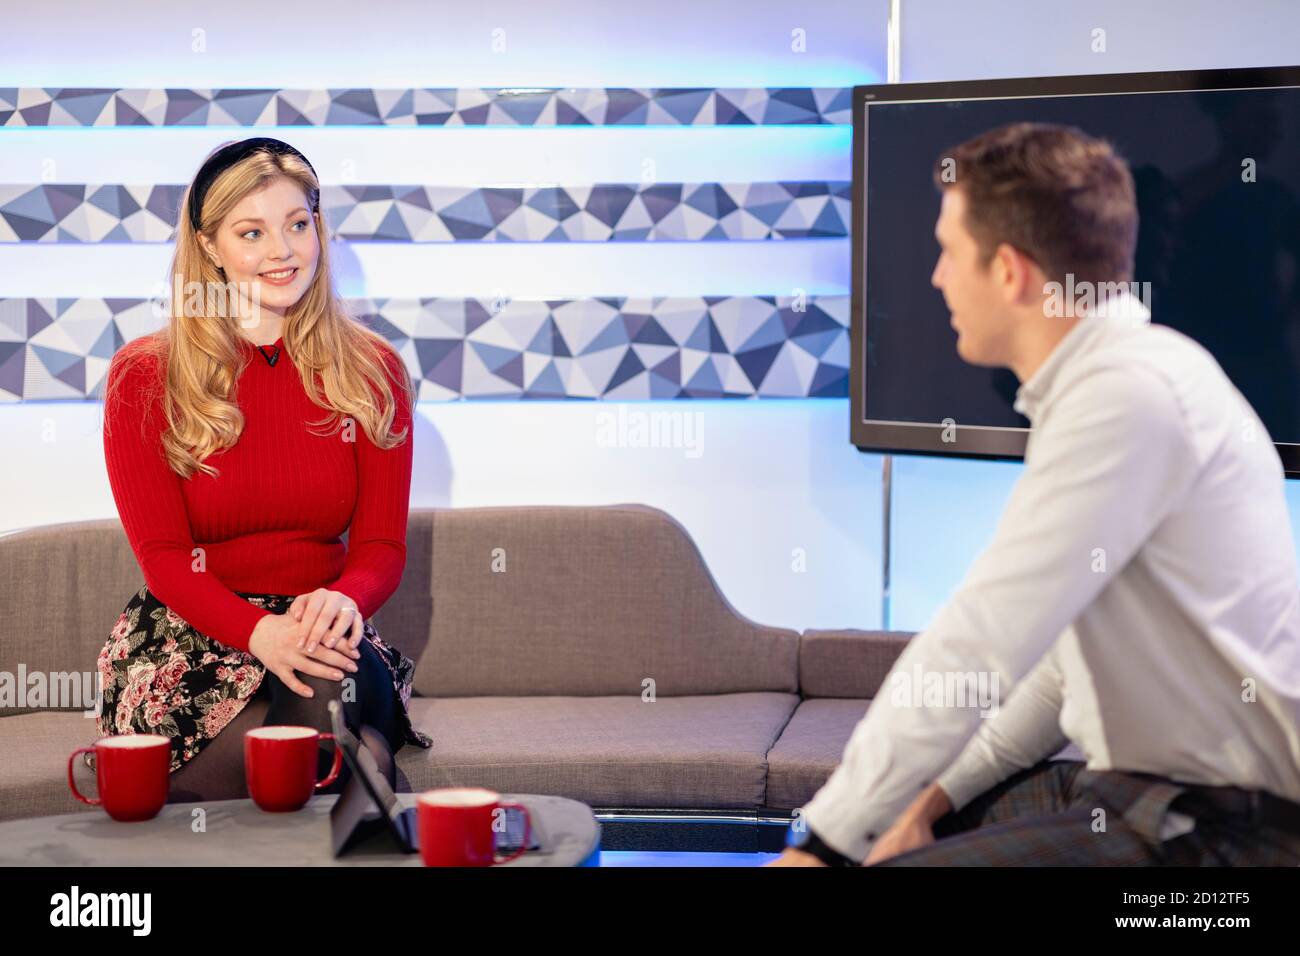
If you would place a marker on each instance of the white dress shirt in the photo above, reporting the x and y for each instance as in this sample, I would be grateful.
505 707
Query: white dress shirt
1147 545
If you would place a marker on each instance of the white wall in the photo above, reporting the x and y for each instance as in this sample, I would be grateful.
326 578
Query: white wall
756 484
341 43
959 40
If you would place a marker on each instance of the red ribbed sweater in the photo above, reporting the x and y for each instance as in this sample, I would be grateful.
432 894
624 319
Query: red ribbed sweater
270 521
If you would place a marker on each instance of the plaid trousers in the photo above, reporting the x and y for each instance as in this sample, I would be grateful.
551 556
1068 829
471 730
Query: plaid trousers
1058 813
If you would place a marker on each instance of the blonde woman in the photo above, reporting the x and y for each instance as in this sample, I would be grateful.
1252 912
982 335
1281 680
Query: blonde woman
241 441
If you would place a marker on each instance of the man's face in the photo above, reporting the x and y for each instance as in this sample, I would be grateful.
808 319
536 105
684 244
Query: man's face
972 290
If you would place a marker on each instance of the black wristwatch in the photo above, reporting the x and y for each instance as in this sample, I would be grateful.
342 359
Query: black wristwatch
810 842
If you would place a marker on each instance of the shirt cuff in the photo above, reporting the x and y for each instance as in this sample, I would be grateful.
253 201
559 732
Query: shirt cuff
967 777
838 828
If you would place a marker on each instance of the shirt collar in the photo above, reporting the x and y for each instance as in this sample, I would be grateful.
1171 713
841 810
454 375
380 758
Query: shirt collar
1123 309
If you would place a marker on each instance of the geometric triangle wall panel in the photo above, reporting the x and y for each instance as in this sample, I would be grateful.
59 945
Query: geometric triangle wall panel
501 106
601 212
612 348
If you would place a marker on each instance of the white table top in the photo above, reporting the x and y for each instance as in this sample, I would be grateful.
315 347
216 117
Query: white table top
238 833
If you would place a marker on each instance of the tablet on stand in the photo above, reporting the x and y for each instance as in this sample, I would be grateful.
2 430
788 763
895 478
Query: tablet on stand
368 815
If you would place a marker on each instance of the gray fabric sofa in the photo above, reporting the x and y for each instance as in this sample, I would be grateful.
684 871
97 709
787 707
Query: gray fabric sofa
579 651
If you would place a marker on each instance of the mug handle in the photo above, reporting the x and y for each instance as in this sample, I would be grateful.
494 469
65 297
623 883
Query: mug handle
338 762
528 829
72 784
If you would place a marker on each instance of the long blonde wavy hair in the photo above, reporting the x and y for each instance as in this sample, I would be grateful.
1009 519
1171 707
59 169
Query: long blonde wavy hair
204 356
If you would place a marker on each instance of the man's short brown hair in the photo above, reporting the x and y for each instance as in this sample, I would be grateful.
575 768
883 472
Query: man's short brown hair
1061 197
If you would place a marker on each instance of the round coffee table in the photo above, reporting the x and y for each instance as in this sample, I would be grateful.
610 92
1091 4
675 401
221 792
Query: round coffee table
238 833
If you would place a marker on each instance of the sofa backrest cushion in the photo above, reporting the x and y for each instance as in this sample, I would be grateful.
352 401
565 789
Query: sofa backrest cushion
589 600
62 588
586 600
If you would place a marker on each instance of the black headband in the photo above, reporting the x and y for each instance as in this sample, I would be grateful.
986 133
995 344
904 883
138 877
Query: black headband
226 157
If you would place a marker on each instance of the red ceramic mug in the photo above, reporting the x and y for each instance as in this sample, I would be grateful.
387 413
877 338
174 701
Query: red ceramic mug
280 766
132 773
456 826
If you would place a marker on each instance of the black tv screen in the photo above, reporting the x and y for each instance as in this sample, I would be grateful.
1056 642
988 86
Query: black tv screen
1221 252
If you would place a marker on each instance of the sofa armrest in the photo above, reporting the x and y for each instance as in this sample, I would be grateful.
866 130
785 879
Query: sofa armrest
847 662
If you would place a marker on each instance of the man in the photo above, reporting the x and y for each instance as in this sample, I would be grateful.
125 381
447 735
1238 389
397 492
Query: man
1139 598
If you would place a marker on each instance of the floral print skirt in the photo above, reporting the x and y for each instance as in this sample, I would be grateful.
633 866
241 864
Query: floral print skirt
161 676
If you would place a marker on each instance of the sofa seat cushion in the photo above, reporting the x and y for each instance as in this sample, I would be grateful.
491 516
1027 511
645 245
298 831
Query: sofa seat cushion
809 748
681 752
34 751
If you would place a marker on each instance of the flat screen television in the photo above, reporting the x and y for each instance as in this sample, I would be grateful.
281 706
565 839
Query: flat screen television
1220 248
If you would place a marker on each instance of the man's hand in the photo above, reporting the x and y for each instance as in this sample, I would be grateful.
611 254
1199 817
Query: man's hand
795 857
327 617
914 827
908 833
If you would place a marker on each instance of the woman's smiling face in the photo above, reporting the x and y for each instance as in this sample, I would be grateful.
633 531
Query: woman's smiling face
269 239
